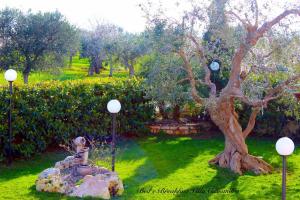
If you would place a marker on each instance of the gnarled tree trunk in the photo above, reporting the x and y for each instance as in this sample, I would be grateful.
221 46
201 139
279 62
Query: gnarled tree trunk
27 70
111 69
131 71
235 155
162 112
176 112
25 77
70 60
91 71
97 69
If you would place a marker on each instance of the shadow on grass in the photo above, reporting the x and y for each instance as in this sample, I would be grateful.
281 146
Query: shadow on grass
216 185
225 185
163 156
27 167
266 150
168 155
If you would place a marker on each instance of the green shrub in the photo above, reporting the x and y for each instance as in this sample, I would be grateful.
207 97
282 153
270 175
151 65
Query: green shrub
55 112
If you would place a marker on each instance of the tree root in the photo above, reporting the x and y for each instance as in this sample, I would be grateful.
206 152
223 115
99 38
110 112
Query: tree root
241 163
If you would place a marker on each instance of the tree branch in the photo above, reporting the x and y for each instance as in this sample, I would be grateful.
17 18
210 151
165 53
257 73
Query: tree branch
213 88
253 34
268 25
182 80
244 22
251 122
278 89
191 78
256 13
274 93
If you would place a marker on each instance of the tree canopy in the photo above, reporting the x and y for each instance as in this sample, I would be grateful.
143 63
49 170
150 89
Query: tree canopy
33 36
251 46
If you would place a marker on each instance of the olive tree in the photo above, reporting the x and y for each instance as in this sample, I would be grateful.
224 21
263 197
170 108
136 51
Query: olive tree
100 44
163 72
91 48
34 36
254 35
130 48
163 84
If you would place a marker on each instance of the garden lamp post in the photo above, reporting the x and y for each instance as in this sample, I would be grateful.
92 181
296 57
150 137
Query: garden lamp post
10 75
113 106
285 147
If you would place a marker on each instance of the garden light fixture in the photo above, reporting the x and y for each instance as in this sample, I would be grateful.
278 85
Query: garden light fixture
113 106
285 147
10 75
214 66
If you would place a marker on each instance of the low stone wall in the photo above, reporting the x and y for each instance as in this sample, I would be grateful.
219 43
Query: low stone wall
175 129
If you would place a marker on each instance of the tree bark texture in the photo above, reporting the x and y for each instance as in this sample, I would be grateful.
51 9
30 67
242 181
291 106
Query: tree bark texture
111 69
70 60
162 112
176 112
235 155
91 71
27 69
25 77
131 71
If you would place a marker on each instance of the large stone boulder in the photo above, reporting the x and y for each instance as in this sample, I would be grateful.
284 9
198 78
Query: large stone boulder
50 180
100 185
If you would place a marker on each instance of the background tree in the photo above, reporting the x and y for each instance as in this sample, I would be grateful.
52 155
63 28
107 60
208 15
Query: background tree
91 48
244 67
163 73
163 87
131 47
111 36
99 45
74 45
34 36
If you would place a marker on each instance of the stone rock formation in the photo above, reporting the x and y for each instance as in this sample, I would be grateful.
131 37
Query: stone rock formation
50 180
101 185
94 181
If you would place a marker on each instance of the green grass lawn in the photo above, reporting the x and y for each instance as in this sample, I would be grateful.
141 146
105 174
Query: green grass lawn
79 70
151 166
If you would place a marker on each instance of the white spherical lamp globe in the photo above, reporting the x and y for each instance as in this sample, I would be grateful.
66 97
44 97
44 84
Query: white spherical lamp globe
215 66
114 106
285 146
10 75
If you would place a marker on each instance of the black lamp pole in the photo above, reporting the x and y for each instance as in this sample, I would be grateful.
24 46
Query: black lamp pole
113 143
283 178
9 123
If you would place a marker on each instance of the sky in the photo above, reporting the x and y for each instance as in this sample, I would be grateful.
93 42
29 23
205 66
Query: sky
84 13
124 13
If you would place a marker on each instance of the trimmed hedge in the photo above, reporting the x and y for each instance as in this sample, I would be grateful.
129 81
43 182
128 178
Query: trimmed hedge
54 112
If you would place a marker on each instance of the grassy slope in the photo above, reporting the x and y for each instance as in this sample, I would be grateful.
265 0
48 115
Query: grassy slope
78 70
168 163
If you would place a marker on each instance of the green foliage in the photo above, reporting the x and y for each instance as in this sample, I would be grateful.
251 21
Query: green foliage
164 72
31 38
54 112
